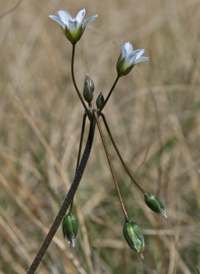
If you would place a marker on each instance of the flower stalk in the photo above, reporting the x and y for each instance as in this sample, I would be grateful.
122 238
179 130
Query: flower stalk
110 165
119 155
74 80
110 92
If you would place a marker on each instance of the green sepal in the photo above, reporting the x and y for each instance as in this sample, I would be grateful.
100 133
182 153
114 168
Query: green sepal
134 237
70 228
73 36
122 68
154 203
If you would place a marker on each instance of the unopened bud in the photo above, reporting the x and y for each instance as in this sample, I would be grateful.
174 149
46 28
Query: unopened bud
88 88
70 228
154 203
100 101
134 237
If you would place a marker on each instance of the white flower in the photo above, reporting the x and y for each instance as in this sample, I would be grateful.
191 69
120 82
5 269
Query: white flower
73 28
129 58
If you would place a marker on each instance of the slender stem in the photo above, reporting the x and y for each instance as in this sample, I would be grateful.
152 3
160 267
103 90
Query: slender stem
74 80
67 201
81 139
79 150
119 155
112 88
109 162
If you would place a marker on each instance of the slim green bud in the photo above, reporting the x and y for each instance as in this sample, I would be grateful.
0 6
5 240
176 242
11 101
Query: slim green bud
154 203
134 237
70 228
100 101
88 88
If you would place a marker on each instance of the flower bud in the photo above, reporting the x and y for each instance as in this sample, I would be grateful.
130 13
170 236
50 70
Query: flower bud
134 237
88 88
154 203
70 228
100 101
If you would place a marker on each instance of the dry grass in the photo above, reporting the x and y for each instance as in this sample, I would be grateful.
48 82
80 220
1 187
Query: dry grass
40 119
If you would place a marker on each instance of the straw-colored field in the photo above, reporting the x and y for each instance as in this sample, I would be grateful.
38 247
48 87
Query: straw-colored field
154 116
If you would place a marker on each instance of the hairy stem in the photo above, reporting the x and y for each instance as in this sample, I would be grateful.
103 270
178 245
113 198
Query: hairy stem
119 155
67 201
80 149
110 165
81 139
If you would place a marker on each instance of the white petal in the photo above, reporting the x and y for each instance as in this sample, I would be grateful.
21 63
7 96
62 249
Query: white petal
139 53
64 16
80 16
132 60
141 59
133 55
89 20
124 53
129 47
58 20
73 24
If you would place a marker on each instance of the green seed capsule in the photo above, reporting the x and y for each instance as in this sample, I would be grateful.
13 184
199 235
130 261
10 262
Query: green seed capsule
134 237
154 203
70 228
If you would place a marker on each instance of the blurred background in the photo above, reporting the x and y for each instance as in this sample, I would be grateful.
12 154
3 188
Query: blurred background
153 114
